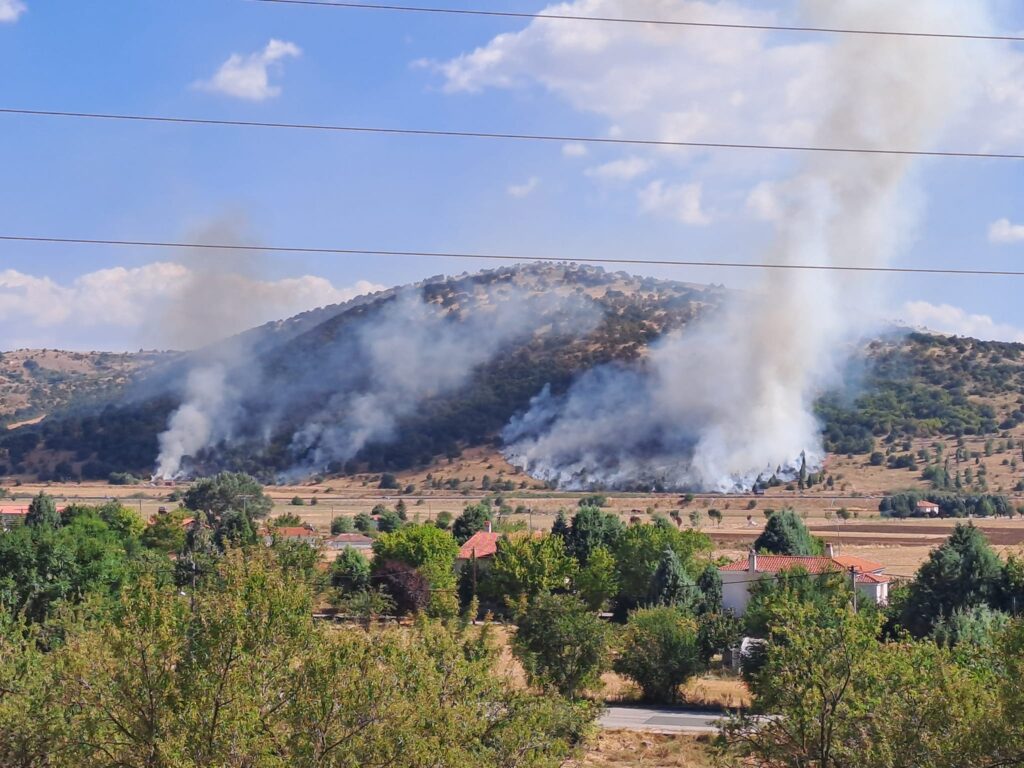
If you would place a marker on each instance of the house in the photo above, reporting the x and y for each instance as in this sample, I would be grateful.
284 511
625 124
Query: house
355 540
925 508
869 577
12 516
482 546
303 534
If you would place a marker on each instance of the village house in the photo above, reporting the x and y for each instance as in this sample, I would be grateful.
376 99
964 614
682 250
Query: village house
737 578
303 534
481 546
12 516
354 540
925 508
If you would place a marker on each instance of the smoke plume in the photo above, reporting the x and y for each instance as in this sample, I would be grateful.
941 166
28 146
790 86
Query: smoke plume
715 407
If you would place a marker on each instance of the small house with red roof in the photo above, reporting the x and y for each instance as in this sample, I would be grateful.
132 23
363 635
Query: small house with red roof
355 540
12 516
303 534
868 576
925 508
482 545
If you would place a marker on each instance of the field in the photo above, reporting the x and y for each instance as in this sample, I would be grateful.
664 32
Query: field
628 749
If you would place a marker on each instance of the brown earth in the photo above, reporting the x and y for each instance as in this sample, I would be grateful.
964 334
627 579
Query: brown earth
629 749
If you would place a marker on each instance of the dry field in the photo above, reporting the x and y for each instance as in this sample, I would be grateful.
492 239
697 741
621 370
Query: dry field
628 749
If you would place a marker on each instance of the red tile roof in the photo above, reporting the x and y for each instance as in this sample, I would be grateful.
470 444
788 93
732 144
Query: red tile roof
481 544
871 578
13 510
293 533
351 538
779 563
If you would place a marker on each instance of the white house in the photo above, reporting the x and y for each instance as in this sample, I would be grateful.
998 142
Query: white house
737 578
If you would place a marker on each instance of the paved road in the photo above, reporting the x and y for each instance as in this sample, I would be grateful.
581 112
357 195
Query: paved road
660 720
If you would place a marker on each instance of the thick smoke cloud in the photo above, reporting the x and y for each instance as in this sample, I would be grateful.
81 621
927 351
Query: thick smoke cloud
714 408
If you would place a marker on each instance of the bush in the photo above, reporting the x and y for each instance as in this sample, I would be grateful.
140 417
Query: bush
404 584
341 525
350 572
660 651
297 501
388 482
562 644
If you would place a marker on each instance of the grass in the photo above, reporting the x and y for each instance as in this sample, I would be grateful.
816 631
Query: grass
629 749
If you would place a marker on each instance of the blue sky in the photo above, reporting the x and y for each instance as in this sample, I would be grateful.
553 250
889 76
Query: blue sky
108 180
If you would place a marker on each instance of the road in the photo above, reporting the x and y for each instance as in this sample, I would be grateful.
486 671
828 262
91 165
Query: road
660 720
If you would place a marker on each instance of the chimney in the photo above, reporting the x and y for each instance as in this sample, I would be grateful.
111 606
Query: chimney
752 561
487 526
830 550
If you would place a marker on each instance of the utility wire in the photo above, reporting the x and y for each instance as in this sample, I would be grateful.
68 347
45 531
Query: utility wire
506 257
659 22
499 135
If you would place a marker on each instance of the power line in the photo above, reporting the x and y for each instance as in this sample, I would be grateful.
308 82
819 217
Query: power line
500 135
658 22
506 257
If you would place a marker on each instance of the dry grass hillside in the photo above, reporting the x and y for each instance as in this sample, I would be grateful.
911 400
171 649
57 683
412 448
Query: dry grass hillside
36 382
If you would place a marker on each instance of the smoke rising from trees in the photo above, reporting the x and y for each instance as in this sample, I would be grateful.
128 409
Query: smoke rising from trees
713 409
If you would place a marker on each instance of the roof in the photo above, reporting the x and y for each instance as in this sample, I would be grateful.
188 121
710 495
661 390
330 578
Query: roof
871 578
350 538
287 532
480 544
13 510
779 563
925 503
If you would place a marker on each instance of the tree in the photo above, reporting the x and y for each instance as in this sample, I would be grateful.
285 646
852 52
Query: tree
167 532
597 582
786 534
341 524
561 644
287 520
350 571
529 566
388 482
389 521
671 585
592 528
228 491
561 525
42 512
715 515
709 585
424 547
962 573
443 520
364 523
406 586
297 501
660 652
595 500
474 518
639 550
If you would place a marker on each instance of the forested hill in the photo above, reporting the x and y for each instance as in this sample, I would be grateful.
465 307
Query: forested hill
901 387
308 354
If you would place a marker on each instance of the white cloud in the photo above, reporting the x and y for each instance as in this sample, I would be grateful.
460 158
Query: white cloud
621 170
954 321
248 77
678 201
763 202
574 149
10 10
525 189
1003 231
111 301
669 83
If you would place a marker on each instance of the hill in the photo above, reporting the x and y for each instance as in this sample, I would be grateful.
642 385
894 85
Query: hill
400 380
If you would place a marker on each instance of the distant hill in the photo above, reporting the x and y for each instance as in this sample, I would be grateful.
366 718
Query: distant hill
289 385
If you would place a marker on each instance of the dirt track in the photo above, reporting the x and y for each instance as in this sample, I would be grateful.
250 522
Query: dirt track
895 534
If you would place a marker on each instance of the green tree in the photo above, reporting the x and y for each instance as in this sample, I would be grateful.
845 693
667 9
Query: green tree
529 566
364 523
297 501
167 532
389 521
432 553
962 573
786 534
350 571
388 482
638 552
341 524
672 585
474 518
592 528
287 520
709 584
659 651
561 644
597 582
42 512
228 491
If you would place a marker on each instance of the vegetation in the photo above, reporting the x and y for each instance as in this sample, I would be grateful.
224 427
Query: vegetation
660 652
786 534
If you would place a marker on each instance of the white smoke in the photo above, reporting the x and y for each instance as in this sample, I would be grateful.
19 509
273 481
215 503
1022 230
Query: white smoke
415 350
193 426
715 408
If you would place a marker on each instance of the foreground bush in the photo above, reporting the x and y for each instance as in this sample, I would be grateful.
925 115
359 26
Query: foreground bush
238 674
660 651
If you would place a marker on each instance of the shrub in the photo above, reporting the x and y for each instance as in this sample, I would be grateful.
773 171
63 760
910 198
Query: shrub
562 644
660 651
297 501
350 572
341 525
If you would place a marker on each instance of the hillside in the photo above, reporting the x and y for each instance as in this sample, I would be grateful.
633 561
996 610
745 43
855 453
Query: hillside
402 380
37 382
